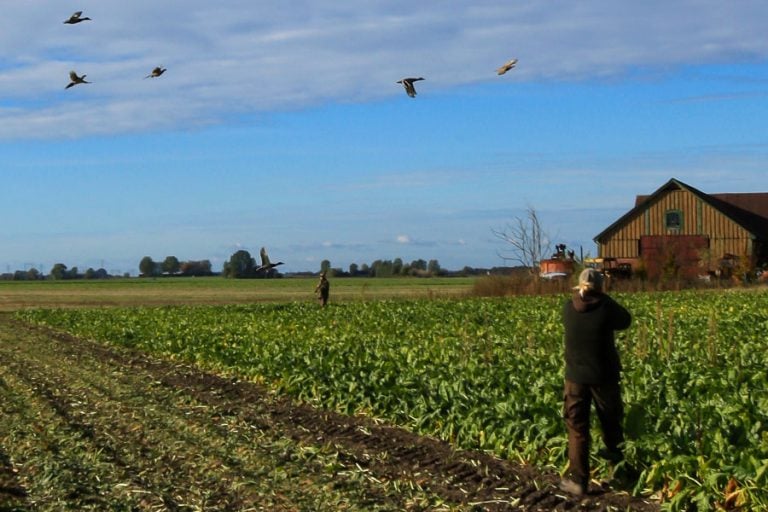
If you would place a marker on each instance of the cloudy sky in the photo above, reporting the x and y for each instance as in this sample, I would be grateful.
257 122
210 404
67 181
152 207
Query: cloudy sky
280 124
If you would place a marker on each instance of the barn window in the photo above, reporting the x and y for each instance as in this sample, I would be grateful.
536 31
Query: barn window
673 220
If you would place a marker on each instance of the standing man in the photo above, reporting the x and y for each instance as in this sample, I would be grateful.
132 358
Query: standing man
323 289
592 373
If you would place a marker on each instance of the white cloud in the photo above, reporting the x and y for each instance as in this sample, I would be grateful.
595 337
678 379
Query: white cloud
242 57
403 239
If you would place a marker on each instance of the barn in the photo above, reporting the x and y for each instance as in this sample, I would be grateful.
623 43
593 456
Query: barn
682 232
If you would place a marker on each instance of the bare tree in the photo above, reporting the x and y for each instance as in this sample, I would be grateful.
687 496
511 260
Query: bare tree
527 240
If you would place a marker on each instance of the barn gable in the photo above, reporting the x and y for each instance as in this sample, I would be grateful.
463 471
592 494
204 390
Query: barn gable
696 230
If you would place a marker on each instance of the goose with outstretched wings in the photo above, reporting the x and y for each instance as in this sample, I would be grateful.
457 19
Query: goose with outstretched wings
265 263
156 72
506 67
77 17
410 90
74 80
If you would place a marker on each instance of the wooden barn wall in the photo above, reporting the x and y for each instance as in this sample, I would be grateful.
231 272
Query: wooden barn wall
725 236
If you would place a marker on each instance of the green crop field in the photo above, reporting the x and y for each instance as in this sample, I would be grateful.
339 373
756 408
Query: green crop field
487 373
217 290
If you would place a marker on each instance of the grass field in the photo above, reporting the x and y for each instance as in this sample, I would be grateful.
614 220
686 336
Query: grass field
92 426
217 290
481 373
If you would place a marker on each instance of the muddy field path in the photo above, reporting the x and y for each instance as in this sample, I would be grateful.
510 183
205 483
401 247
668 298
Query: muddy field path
89 427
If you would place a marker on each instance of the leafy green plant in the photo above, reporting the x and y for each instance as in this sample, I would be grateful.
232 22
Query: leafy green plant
487 374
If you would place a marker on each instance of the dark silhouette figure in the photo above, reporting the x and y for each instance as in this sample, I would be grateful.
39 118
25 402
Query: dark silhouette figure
76 18
592 375
74 80
156 72
323 290
410 90
266 265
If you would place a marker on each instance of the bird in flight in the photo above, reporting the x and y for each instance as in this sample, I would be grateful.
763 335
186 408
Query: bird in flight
74 79
506 67
265 263
76 18
156 72
410 90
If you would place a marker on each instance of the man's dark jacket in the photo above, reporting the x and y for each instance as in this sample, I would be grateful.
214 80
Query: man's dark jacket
590 348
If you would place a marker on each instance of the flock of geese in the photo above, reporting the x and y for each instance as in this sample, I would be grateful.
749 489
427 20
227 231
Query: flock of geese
74 79
407 83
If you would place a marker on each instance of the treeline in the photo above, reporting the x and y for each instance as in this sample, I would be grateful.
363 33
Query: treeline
416 268
58 272
387 268
23 275
242 265
171 266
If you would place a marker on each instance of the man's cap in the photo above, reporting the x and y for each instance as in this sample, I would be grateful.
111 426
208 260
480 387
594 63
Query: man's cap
590 279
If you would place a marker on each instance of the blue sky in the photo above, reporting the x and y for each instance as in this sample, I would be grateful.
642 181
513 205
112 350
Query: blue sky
282 126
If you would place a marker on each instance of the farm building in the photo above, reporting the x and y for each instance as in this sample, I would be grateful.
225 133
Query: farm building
683 232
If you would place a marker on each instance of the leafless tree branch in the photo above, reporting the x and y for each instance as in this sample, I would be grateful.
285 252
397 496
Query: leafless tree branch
527 240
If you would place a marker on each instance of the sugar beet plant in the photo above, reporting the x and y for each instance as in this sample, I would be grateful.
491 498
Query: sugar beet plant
487 374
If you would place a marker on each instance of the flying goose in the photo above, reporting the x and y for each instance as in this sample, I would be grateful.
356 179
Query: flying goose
408 85
75 18
506 67
74 79
265 263
156 72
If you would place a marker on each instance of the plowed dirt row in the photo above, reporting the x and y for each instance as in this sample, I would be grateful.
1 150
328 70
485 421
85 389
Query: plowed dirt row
89 427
